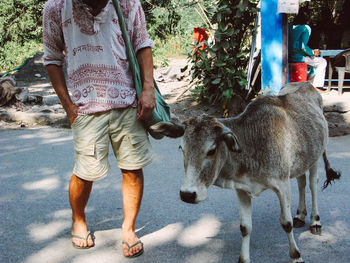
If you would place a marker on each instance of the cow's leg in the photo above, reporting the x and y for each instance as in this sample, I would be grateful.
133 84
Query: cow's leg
245 212
283 193
315 226
299 219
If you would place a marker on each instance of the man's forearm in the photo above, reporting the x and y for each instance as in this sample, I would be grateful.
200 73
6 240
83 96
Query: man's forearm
58 81
146 102
145 60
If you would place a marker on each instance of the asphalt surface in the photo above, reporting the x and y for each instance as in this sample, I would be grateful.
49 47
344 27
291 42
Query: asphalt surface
35 168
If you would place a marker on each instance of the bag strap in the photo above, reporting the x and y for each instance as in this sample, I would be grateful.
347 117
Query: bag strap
134 65
161 111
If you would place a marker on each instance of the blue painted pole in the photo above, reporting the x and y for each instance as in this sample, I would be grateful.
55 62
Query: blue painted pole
272 53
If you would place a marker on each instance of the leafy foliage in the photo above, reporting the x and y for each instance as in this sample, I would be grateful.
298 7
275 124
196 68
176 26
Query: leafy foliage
220 69
172 17
170 24
20 27
328 20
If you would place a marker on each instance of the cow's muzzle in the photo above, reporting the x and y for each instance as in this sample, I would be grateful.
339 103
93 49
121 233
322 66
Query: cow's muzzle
188 197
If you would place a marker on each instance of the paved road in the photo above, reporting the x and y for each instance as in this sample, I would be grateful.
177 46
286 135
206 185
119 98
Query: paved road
35 167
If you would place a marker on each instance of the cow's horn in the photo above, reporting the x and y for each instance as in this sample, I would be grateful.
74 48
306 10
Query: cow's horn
169 129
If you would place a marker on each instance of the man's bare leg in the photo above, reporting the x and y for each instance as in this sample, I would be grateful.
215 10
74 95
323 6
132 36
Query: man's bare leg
79 192
132 196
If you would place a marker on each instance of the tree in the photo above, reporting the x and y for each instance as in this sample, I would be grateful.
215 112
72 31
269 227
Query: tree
328 21
162 16
21 29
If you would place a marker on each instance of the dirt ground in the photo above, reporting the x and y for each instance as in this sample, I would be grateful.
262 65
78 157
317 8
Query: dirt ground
173 84
178 92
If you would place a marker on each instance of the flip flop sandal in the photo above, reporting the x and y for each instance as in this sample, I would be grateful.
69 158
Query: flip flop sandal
84 238
133 245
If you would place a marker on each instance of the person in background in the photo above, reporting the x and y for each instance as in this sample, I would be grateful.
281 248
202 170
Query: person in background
299 51
102 108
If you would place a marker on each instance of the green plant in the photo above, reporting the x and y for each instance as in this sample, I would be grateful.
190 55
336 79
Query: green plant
219 70
171 47
162 17
12 54
20 27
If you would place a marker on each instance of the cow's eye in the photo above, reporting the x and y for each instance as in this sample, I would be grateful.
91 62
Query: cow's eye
211 152
180 148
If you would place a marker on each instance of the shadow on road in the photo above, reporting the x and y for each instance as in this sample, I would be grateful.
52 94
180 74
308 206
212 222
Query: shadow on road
35 215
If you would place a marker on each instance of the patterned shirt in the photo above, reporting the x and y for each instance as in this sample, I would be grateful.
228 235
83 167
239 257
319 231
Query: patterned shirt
93 49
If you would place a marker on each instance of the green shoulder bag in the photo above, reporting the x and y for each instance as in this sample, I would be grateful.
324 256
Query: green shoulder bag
161 111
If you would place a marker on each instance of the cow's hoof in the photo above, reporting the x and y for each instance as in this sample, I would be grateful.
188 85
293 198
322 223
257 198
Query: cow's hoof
241 260
297 223
299 260
316 229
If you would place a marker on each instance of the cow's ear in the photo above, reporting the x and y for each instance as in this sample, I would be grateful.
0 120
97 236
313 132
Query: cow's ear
231 140
169 129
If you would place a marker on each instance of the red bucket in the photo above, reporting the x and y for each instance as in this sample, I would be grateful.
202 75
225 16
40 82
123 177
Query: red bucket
297 72
200 34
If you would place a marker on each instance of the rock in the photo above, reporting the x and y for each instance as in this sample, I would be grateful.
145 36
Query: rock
31 68
338 107
170 74
46 110
160 78
337 112
338 123
25 97
8 91
51 100
165 71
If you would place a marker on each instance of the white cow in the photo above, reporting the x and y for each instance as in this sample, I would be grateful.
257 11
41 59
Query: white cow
275 139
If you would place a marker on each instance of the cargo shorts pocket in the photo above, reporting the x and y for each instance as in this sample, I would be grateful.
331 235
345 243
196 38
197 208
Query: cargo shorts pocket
140 147
85 147
84 137
136 139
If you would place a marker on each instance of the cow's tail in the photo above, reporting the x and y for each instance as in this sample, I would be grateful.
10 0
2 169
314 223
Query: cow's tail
331 174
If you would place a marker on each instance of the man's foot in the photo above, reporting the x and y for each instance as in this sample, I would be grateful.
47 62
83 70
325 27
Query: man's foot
131 244
81 237
84 238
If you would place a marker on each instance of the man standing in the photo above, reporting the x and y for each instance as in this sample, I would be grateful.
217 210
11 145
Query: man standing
103 109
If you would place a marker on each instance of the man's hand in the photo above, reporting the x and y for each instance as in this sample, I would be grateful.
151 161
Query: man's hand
146 102
59 84
72 113
317 52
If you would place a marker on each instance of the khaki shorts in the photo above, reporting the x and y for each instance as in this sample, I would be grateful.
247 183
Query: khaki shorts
92 134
